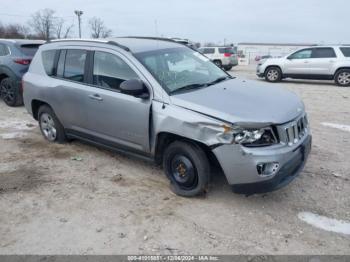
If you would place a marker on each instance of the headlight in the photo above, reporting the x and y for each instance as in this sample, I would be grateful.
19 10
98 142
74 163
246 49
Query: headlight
255 137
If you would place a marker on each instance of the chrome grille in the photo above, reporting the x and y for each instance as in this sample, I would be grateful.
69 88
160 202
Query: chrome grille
295 130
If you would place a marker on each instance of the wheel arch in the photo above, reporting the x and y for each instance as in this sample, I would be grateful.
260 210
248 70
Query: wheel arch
341 68
164 139
35 105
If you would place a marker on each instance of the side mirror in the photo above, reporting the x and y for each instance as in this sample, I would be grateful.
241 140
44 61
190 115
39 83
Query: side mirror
290 58
134 87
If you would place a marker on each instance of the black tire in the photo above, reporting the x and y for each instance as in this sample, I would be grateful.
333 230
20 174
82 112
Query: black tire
273 74
10 92
46 118
187 167
218 63
228 68
342 77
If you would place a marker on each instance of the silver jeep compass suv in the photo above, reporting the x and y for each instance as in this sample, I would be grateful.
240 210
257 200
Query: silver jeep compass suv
163 100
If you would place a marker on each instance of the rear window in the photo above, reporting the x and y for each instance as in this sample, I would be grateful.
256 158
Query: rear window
223 50
29 49
49 61
345 51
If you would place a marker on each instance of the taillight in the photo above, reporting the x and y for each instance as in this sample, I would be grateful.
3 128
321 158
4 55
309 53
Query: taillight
227 54
22 61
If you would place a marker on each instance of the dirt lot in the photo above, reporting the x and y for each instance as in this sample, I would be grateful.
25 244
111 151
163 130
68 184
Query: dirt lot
77 199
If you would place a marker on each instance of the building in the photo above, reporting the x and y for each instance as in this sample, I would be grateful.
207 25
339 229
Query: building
249 52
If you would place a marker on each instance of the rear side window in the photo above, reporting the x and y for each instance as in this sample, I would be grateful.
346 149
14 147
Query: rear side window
345 51
323 53
75 65
4 50
29 49
208 50
48 58
110 71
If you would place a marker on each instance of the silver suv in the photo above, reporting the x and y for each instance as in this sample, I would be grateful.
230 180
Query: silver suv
223 57
323 63
161 100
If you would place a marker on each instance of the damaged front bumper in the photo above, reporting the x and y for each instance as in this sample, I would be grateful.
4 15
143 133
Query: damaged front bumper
243 166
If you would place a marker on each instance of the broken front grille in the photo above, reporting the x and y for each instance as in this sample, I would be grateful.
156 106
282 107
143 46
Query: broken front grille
292 132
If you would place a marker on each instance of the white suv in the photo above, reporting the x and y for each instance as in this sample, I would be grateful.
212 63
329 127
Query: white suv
324 63
223 57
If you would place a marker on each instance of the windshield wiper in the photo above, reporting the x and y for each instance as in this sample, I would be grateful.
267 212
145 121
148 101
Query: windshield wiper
188 87
218 80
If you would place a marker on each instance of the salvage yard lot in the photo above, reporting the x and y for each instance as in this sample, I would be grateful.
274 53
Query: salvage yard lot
77 199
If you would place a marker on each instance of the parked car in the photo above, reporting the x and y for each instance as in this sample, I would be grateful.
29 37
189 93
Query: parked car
164 101
15 57
323 63
223 57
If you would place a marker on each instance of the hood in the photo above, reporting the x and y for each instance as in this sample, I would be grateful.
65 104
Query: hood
242 101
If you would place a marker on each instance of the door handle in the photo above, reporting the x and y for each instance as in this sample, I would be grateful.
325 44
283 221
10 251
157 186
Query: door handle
96 97
306 62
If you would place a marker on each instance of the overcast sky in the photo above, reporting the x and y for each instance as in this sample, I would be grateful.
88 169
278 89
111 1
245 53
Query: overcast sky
297 21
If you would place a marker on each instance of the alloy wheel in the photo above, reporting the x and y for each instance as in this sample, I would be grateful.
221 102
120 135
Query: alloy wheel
47 126
344 78
272 75
7 92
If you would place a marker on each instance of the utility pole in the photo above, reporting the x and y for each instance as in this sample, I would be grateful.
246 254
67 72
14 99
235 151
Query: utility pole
79 13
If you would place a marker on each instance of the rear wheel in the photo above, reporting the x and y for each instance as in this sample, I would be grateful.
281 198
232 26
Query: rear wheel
10 93
187 167
273 74
228 68
342 78
50 126
218 63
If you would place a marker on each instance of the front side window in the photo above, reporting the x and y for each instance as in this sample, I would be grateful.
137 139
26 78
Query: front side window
302 54
75 65
110 71
345 51
179 68
323 53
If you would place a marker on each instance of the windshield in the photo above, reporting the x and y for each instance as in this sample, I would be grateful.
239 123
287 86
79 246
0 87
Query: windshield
181 69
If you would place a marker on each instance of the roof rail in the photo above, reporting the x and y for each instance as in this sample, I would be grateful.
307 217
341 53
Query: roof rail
91 41
150 38
119 45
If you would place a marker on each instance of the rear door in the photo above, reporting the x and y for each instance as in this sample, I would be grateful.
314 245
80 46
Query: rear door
118 118
322 61
298 63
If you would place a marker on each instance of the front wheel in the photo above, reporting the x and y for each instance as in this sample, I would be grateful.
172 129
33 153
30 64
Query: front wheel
273 74
342 78
187 167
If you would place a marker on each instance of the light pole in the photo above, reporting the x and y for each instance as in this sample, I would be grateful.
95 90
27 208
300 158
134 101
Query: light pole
79 13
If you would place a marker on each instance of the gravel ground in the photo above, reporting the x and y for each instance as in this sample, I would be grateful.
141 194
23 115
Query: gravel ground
77 199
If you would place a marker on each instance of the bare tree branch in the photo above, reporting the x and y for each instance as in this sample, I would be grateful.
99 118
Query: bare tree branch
43 23
98 29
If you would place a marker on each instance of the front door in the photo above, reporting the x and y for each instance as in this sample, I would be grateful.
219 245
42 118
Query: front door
298 63
112 116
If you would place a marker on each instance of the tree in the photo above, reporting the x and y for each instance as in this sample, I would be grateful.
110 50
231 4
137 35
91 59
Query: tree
61 31
43 23
98 29
13 31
